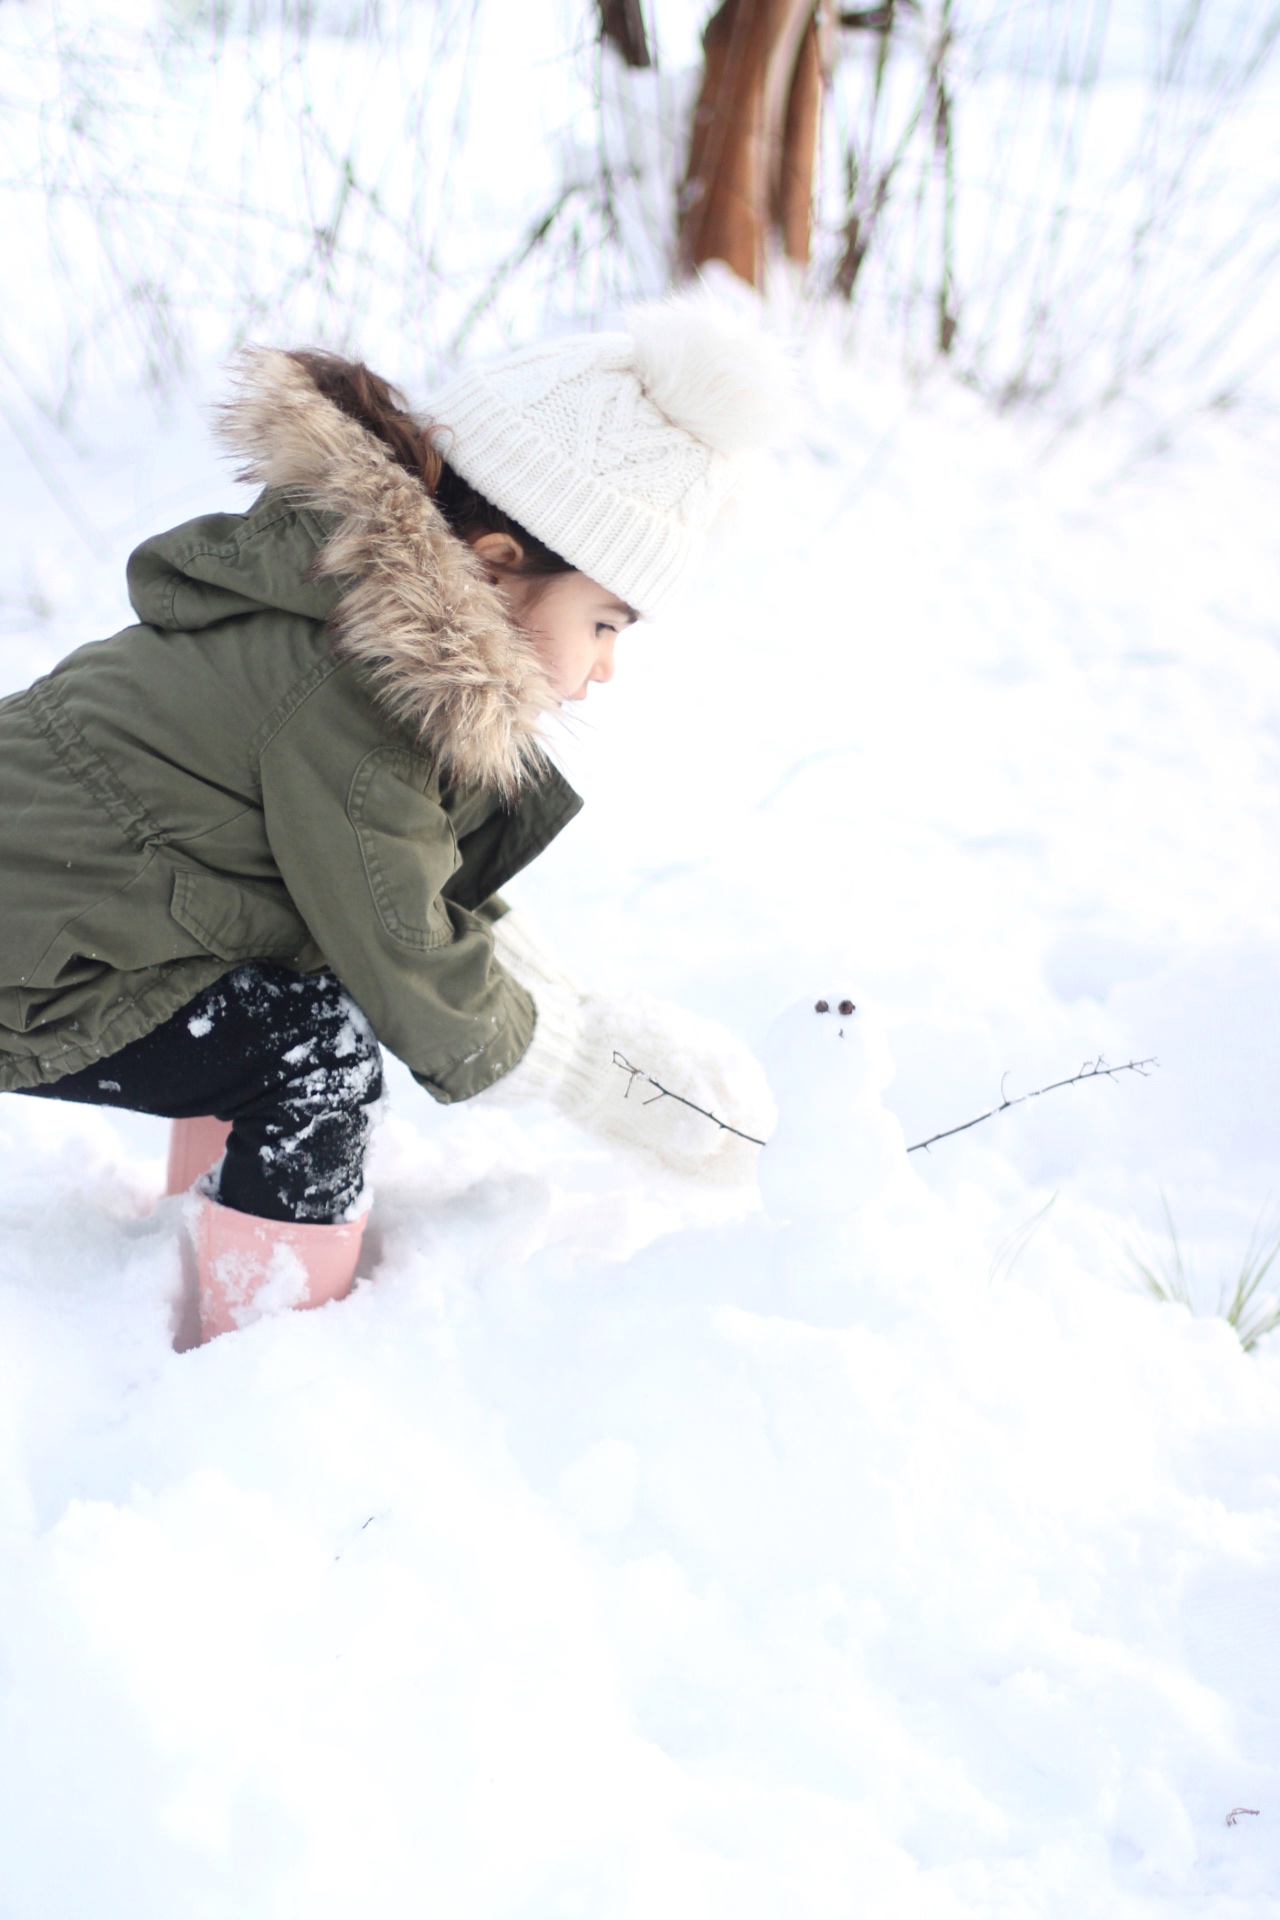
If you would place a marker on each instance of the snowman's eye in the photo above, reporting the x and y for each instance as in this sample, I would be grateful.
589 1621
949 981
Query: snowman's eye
847 1007
820 1006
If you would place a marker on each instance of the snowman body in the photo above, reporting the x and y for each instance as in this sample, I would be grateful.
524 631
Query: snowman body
836 1161
836 1148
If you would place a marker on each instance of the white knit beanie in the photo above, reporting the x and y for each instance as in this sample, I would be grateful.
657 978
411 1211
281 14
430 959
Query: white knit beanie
618 450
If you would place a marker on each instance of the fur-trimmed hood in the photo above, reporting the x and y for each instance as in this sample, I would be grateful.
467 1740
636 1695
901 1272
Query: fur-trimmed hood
415 607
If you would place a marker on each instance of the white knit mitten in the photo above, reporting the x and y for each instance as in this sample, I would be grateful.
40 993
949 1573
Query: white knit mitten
634 1068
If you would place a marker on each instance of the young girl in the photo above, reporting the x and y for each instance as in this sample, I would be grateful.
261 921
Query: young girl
262 832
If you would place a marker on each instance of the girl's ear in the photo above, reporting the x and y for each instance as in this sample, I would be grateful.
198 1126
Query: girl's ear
501 551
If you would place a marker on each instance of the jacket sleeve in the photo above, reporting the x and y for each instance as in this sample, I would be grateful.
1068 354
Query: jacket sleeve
354 821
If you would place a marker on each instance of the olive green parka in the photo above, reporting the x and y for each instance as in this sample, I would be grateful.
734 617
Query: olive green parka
318 747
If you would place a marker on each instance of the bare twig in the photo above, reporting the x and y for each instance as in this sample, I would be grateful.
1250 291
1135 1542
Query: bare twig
665 1093
533 239
1236 1811
867 19
1091 1070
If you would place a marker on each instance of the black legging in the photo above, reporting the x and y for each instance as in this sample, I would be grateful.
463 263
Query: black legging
288 1058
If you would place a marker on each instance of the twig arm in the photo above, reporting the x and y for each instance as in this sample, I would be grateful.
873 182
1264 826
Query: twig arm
1091 1070
665 1093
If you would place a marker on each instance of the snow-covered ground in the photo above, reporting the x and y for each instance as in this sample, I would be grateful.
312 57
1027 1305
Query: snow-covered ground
619 1549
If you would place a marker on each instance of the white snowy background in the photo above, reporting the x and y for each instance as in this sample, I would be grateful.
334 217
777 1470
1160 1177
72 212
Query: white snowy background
620 1549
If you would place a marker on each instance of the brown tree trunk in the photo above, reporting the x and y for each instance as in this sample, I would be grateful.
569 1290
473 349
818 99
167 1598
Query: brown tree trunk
754 140
793 208
622 25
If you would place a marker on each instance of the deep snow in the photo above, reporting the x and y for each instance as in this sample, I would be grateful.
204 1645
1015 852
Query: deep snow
617 1549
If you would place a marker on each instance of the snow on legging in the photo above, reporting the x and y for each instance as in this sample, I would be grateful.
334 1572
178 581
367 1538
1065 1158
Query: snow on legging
288 1058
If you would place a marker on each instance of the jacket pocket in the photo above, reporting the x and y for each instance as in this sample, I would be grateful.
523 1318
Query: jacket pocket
238 922
407 846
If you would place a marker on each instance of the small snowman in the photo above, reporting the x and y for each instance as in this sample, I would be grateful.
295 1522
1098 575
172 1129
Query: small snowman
836 1148
837 1158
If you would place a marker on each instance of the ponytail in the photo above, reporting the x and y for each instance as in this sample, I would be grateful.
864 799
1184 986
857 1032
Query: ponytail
382 410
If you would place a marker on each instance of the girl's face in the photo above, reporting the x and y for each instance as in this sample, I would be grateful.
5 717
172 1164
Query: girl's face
572 620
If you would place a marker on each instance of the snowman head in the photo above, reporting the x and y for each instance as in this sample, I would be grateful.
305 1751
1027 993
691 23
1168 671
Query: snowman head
833 1043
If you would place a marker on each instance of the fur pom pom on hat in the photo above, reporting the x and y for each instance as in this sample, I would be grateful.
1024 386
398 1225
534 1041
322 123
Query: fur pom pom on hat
620 449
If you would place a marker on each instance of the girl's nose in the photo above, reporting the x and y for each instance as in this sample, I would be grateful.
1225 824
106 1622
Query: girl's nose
602 671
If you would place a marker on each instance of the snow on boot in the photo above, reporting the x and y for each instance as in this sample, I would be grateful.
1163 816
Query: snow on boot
194 1147
248 1267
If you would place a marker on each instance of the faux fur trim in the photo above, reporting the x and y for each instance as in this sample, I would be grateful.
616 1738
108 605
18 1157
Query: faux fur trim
447 662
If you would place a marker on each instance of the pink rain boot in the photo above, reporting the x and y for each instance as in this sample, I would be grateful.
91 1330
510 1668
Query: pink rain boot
194 1147
248 1267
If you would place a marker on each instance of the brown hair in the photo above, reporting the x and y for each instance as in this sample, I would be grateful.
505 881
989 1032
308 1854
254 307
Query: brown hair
383 411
